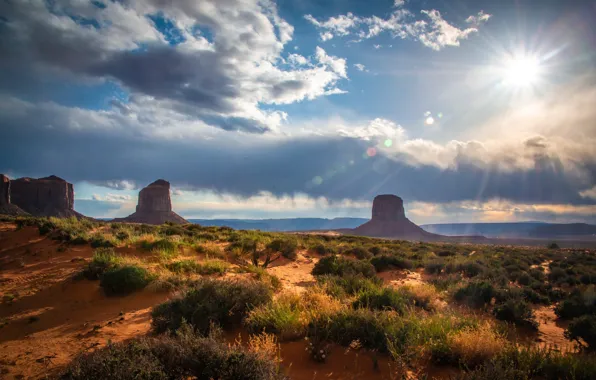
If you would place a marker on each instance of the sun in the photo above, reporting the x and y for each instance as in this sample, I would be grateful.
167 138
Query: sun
521 71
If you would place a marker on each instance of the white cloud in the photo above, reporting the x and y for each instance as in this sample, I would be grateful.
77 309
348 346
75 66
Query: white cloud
222 80
298 60
360 67
337 65
589 193
110 197
433 32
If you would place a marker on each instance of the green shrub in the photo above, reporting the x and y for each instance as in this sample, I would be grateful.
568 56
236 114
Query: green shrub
184 356
384 299
434 267
287 247
223 302
384 262
341 287
340 266
206 268
577 304
518 363
475 294
557 274
104 259
125 280
100 241
516 311
583 328
359 252
323 249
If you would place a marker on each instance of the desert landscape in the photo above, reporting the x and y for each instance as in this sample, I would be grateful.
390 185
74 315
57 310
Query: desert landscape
297 189
88 299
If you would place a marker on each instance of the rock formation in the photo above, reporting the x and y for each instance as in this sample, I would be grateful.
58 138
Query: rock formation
389 220
6 207
155 206
48 196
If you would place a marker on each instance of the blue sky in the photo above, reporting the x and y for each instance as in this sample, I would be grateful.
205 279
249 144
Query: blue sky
469 110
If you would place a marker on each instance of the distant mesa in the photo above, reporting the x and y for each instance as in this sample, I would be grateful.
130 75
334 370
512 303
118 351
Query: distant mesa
48 196
6 207
155 206
389 221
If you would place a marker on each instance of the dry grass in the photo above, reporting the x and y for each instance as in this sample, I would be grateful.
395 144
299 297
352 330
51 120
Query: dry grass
475 346
425 296
266 346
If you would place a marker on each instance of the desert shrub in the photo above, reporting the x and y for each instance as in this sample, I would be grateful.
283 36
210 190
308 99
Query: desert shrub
223 302
446 282
537 274
184 356
583 328
516 363
287 247
473 347
445 253
165 245
366 326
375 250
340 266
349 285
123 235
422 295
104 259
471 269
289 314
205 268
557 274
171 230
125 280
475 294
384 262
323 249
100 241
524 279
359 252
517 312
384 299
434 267
553 245
577 304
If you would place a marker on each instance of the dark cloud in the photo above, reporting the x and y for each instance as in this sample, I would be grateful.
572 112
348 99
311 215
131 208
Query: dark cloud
280 166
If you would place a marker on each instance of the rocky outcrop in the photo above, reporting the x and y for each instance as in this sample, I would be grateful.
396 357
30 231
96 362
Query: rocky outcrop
389 221
48 196
155 206
6 208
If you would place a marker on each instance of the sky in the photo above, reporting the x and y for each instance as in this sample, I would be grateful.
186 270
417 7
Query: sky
470 110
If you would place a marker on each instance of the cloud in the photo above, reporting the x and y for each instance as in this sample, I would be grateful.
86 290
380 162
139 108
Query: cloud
433 31
223 77
110 197
360 67
589 193
331 160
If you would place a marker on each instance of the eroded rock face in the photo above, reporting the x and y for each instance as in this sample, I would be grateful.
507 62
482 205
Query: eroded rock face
154 206
48 196
6 208
4 190
389 221
155 197
388 207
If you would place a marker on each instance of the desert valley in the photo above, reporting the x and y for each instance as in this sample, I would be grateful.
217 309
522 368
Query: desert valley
152 296
297 189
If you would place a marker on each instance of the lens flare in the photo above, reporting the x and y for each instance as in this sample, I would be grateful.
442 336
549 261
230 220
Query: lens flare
371 152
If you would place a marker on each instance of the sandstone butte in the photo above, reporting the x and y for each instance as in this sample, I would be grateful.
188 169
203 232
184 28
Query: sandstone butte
389 221
48 196
155 206
6 207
